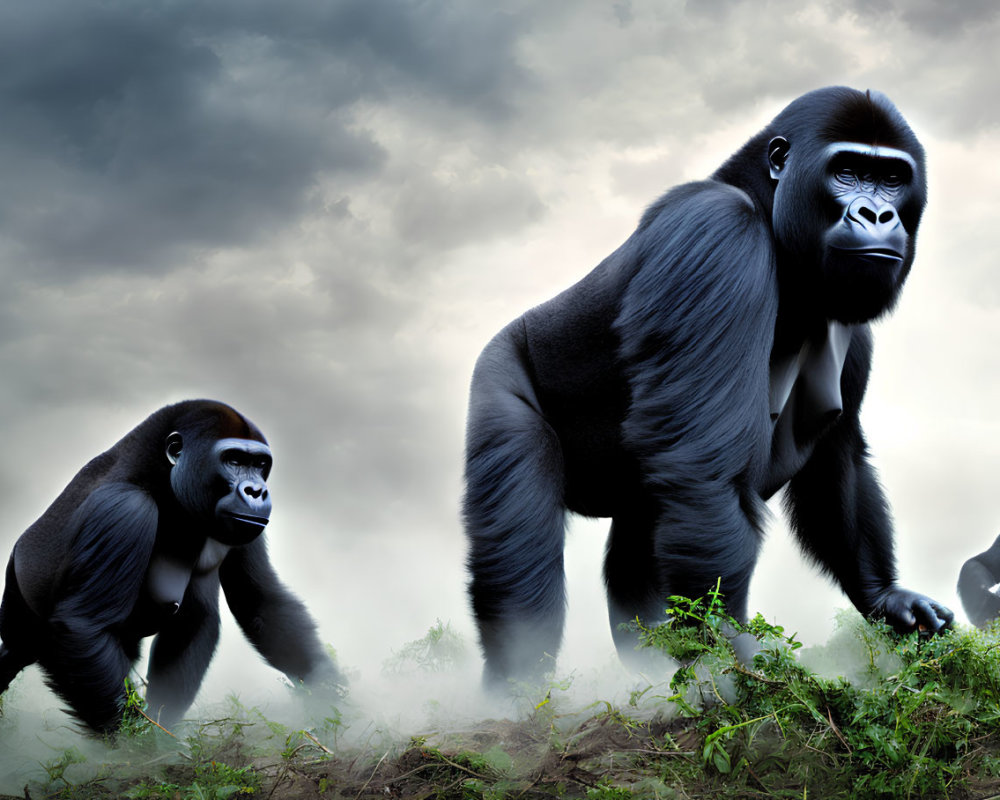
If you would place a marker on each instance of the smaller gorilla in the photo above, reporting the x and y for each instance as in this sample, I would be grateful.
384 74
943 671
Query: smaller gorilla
138 544
978 576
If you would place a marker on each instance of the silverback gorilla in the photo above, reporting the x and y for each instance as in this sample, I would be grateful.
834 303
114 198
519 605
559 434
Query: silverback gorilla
138 544
720 354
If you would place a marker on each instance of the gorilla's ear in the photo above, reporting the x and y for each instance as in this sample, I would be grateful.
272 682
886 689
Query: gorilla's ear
777 153
174 445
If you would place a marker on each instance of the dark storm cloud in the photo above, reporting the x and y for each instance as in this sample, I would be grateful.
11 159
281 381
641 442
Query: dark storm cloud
135 135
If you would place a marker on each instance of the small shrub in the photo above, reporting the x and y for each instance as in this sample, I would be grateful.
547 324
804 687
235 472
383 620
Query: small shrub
440 650
915 728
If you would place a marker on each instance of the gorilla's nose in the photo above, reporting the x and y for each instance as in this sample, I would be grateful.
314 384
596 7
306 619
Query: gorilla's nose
256 498
871 216
255 490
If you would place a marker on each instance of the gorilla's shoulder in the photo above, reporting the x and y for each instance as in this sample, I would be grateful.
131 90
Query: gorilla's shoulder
703 246
709 200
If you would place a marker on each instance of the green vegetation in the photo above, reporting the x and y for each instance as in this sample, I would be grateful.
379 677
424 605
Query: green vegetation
919 720
211 781
440 650
869 715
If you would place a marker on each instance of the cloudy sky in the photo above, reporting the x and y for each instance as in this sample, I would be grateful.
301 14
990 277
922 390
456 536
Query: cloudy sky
320 212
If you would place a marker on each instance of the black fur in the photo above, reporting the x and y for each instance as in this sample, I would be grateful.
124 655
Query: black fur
642 394
86 582
978 576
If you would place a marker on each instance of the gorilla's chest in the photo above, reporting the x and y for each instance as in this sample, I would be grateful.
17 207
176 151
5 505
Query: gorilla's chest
167 581
804 399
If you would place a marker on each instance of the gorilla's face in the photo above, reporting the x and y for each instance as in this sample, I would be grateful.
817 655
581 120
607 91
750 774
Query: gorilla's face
223 483
851 215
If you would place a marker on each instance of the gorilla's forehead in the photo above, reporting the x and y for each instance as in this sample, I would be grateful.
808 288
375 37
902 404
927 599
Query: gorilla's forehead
870 151
246 445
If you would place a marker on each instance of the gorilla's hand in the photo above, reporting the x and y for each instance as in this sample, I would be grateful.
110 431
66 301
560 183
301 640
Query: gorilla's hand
326 682
907 611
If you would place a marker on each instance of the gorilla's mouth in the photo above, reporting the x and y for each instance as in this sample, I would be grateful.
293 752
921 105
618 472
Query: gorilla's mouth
886 253
249 519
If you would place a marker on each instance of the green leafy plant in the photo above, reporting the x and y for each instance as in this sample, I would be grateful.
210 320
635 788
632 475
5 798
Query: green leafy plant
136 725
918 730
606 791
55 768
211 781
441 649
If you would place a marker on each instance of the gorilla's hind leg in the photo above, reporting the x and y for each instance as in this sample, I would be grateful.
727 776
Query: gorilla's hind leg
20 630
10 665
647 562
88 671
515 518
631 578
86 664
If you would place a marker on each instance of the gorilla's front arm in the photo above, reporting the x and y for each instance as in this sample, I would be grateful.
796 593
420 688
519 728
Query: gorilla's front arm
696 328
839 513
182 651
272 618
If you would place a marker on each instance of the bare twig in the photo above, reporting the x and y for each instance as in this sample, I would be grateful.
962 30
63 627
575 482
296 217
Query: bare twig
836 731
372 776
737 667
157 724
451 763
659 752
317 742
277 781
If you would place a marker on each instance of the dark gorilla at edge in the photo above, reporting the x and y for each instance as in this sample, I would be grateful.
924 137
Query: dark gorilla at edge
719 355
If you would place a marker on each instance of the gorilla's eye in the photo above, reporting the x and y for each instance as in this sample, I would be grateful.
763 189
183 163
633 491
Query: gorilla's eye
240 460
234 458
892 181
845 176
